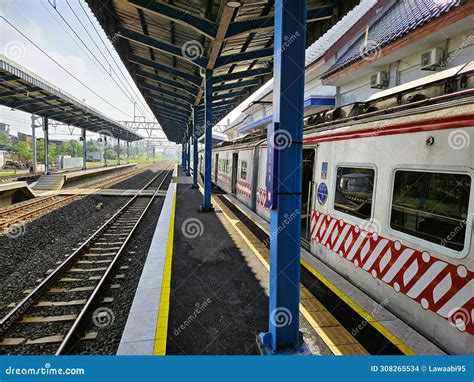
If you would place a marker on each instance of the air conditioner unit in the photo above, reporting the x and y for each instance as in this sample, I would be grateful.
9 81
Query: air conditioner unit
379 80
432 59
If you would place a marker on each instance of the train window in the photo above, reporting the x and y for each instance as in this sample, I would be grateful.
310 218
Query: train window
431 206
354 191
243 170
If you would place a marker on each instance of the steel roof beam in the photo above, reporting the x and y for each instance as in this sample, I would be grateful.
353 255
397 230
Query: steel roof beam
20 92
244 56
32 101
229 95
171 71
262 24
224 19
158 89
157 98
169 102
8 78
178 113
236 85
203 26
41 110
163 115
243 74
142 73
225 102
159 45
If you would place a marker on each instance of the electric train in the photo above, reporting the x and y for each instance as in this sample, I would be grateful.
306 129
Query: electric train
386 198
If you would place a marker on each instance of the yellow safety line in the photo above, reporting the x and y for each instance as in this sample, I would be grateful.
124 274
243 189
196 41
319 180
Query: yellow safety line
366 316
405 349
303 310
163 313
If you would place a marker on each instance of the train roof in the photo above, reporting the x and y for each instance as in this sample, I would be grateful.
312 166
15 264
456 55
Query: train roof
439 90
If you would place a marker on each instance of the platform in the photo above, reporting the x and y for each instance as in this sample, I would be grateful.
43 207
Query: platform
204 290
201 301
150 304
108 192
62 180
14 192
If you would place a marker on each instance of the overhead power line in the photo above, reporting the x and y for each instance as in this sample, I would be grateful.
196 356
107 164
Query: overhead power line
62 67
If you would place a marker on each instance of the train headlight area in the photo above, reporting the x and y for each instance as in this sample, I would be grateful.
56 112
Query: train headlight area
344 230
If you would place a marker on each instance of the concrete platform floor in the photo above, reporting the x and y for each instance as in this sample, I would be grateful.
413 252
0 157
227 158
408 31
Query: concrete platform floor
219 289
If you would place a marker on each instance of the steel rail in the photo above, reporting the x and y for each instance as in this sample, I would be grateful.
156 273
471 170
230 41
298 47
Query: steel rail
27 302
41 207
75 328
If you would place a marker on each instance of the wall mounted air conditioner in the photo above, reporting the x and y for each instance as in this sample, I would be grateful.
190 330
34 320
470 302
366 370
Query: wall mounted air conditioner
379 80
432 59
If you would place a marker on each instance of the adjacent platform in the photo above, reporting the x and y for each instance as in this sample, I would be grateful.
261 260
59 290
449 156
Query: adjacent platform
14 192
61 180
145 330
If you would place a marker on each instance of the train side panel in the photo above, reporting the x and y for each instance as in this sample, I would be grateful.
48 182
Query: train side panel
261 189
393 214
224 172
244 187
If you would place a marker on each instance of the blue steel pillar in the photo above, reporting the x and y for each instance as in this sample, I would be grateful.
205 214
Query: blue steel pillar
46 146
188 170
183 156
195 148
206 203
285 154
84 149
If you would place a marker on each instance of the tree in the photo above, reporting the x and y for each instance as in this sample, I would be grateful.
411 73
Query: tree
3 139
40 152
110 154
23 150
92 146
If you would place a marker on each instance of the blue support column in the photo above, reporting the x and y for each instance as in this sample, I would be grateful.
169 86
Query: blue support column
84 149
183 156
285 156
195 148
46 146
189 156
206 203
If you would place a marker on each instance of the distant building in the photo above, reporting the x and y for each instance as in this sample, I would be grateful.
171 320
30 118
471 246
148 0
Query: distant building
4 128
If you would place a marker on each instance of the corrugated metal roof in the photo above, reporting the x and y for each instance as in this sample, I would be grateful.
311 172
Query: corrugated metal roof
23 90
165 45
400 18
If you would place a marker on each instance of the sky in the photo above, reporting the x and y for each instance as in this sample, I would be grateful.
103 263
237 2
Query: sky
45 23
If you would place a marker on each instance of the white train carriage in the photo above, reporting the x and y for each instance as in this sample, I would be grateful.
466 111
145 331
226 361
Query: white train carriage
392 212
236 170
387 199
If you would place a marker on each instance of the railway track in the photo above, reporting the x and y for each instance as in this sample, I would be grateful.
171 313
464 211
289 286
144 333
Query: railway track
53 314
21 212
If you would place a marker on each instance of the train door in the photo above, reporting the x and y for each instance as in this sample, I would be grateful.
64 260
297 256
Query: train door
235 162
309 156
216 168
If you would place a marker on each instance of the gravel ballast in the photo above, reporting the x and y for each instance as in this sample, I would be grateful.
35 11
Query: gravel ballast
49 239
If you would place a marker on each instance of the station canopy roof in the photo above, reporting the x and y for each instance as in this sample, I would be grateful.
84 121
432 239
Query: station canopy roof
22 90
166 45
